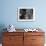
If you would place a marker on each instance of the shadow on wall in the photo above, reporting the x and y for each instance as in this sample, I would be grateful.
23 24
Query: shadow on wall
2 26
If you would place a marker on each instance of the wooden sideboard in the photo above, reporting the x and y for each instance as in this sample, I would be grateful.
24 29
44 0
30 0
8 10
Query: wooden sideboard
23 39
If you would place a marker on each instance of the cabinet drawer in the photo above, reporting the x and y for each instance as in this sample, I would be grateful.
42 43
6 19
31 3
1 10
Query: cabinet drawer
34 33
12 39
37 44
37 39
20 44
13 33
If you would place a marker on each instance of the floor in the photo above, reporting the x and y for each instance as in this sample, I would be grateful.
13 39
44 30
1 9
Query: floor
0 44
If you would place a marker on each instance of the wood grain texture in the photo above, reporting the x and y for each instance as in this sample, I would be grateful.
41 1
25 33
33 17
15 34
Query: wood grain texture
13 39
23 39
34 39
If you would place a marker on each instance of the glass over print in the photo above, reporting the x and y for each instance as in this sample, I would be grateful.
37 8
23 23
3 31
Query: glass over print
26 14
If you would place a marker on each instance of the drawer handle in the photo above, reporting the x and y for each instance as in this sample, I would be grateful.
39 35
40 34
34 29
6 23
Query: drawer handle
33 39
11 38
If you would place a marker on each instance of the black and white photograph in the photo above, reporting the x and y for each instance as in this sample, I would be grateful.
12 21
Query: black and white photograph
26 14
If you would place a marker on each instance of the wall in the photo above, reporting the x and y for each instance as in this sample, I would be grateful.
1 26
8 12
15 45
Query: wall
8 9
8 13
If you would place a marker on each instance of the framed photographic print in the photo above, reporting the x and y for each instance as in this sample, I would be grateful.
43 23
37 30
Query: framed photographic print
26 14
